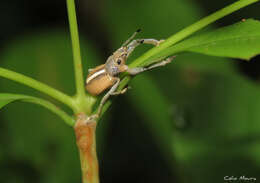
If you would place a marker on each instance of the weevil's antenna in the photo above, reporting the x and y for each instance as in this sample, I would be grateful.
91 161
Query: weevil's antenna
132 37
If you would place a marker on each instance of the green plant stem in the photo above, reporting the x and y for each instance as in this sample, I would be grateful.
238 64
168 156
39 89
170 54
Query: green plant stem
190 30
67 119
20 78
80 90
85 131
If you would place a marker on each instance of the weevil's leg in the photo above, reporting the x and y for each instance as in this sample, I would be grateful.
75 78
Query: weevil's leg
151 41
121 91
131 46
112 91
137 70
107 95
104 99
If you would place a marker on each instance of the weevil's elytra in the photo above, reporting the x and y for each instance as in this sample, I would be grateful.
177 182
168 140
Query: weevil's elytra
105 76
98 71
97 76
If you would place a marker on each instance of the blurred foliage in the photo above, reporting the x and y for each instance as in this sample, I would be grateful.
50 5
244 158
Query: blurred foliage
196 120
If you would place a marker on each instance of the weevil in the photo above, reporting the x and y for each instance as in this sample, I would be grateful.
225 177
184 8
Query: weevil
105 76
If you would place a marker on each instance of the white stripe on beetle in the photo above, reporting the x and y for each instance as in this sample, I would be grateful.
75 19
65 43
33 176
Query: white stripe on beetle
96 74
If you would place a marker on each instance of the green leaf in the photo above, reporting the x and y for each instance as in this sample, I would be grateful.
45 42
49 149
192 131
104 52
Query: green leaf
6 98
240 40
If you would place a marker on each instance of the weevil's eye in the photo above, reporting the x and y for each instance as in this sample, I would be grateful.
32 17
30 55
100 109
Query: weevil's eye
118 61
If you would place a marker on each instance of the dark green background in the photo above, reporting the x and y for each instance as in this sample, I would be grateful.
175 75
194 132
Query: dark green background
196 120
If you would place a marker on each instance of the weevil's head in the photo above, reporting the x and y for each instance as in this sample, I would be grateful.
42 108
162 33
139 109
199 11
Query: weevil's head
115 64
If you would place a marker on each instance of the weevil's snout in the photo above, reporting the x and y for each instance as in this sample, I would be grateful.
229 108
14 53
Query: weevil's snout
123 68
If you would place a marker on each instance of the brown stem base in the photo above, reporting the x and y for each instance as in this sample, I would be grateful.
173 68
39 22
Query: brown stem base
86 141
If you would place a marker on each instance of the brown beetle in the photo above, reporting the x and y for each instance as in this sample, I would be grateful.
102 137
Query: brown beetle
105 76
